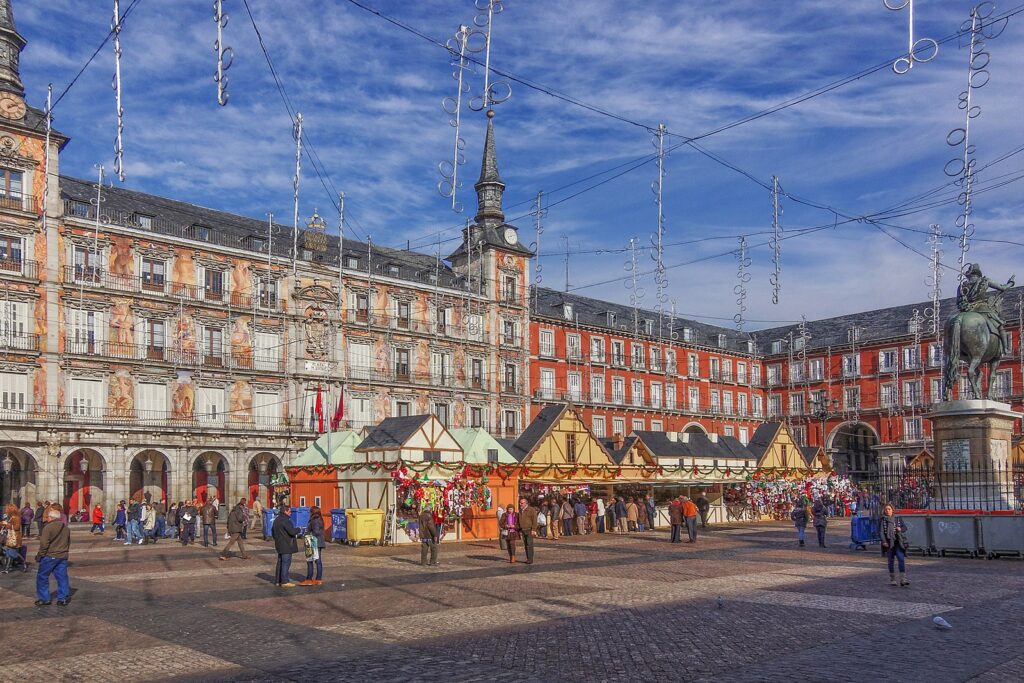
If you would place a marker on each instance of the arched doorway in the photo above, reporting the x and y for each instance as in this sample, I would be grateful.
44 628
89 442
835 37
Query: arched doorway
148 473
84 479
209 474
261 469
17 477
852 449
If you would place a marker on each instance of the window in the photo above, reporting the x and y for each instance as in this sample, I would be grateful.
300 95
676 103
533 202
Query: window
431 456
727 370
570 448
816 369
476 327
637 351
12 188
86 330
87 265
611 319
935 389
799 435
716 401
655 358
618 425
394 270
693 365
744 435
510 336
741 373
911 357
442 319
153 338
403 408
887 360
153 274
476 373
934 355
13 388
597 349
266 350
655 395
441 412
567 311
755 374
508 289
648 327
721 341
913 430
774 375
756 405
1001 384
547 343
714 366
362 412
727 402
796 371
638 392
213 284
777 346
638 424
597 388
12 325
511 422
694 399
352 262
401 362
572 347
476 419
198 232
670 361
890 396
598 427
912 393
212 345
266 408
362 307
851 365
741 405
403 314
618 390
10 253
441 369
657 426
618 353
574 382
86 397
796 404
670 396
152 402
510 378
851 398
775 405
267 291
687 334
727 431
547 384
492 455
359 364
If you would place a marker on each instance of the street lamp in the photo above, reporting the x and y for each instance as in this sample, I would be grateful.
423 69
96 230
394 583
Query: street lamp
148 464
83 463
822 412
8 462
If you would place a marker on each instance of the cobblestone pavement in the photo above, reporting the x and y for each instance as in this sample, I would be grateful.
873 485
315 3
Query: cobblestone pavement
743 604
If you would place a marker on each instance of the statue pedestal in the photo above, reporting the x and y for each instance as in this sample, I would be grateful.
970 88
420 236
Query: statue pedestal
972 454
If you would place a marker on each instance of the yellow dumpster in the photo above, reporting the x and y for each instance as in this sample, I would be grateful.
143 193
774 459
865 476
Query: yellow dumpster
365 525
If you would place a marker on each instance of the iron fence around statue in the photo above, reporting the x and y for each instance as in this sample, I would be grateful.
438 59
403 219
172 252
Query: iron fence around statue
997 488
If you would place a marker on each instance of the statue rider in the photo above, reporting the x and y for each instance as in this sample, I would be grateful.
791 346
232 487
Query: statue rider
972 295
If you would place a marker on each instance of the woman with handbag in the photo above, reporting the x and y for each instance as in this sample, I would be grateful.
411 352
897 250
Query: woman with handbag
894 544
510 529
314 546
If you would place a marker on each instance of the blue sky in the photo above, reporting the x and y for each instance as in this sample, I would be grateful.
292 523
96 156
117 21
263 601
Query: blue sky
370 95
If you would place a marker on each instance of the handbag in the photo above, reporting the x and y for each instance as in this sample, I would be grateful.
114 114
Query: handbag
542 519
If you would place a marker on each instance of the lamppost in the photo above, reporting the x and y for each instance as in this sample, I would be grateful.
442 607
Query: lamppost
822 411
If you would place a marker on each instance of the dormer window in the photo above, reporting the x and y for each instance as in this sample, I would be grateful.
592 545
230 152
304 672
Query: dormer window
78 209
255 243
777 346
687 334
198 232
611 319
567 311
143 221
394 270
750 346
721 341
352 262
648 327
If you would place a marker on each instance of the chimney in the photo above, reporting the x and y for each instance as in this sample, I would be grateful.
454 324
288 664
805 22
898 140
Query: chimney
684 437
672 436
714 437
619 440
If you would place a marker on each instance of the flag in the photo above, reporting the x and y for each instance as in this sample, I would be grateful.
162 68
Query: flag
339 412
319 410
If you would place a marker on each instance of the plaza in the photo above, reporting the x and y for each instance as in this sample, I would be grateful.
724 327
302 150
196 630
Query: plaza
743 604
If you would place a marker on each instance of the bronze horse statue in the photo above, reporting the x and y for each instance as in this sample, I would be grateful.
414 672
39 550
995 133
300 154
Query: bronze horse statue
969 339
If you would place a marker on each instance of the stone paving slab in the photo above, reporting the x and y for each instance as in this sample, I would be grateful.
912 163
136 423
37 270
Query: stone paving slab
162 662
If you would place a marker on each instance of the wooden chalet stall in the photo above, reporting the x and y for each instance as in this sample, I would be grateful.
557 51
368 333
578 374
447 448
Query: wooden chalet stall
489 463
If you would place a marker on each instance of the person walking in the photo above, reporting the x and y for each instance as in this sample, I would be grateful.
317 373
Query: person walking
26 520
675 518
690 519
314 547
209 515
52 558
703 507
632 514
429 537
37 517
799 517
892 530
148 523
236 525
566 513
510 525
257 518
12 537
820 521
120 522
579 511
527 527
620 515
284 534
652 513
246 519
134 522
187 513
600 515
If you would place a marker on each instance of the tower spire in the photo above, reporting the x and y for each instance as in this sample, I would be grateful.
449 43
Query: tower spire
489 188
11 45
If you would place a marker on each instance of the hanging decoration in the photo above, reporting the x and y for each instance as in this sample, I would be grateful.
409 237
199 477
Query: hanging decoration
636 292
921 50
494 92
658 254
773 494
449 184
225 55
115 27
775 242
934 312
743 277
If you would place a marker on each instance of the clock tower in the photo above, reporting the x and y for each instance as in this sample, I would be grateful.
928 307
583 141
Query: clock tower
12 92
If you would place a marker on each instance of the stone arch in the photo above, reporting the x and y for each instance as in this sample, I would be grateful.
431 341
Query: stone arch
210 470
851 445
261 468
149 472
84 479
18 476
693 428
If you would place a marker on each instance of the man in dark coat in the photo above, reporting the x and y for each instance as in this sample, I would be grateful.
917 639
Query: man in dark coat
527 527
675 518
236 525
703 508
187 514
284 534
429 536
209 514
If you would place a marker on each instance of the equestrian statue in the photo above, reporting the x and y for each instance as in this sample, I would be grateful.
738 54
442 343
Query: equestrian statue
976 334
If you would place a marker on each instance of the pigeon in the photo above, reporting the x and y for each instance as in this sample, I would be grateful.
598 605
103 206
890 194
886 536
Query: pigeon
941 623
720 602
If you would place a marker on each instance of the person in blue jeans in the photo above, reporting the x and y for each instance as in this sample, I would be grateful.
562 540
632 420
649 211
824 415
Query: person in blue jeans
52 558
894 544
799 517
284 534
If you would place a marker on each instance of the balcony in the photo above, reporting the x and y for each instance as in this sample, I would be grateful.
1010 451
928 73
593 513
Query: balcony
619 360
510 387
546 351
50 415
19 342
19 202
597 357
20 267
513 341
402 374
164 354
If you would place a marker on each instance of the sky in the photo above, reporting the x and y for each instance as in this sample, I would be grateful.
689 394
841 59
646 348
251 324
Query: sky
370 94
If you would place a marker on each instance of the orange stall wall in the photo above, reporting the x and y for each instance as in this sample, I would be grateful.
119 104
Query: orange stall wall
480 524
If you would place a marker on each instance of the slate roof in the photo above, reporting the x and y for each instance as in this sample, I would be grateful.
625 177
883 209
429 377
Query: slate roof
809 453
392 433
696 446
618 455
122 206
492 235
510 446
762 438
594 313
876 325
536 430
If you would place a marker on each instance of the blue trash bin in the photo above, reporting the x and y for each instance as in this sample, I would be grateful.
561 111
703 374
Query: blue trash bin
300 518
339 526
269 514
863 531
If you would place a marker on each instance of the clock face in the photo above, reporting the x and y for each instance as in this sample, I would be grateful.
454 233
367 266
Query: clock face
11 106
511 236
